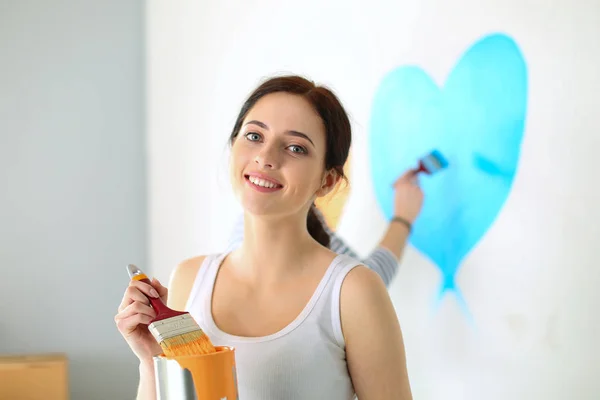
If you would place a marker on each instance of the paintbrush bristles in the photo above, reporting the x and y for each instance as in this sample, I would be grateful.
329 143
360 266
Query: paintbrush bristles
181 336
189 344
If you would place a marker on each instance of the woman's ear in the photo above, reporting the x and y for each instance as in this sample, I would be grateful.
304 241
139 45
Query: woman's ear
329 181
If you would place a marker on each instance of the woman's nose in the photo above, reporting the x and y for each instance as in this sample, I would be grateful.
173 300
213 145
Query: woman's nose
266 159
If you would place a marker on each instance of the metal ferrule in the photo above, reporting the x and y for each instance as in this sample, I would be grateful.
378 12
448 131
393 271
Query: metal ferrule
171 327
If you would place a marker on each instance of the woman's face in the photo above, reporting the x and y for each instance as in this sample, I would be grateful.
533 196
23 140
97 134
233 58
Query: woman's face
278 157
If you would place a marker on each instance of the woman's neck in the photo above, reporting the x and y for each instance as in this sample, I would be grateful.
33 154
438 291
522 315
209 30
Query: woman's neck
273 247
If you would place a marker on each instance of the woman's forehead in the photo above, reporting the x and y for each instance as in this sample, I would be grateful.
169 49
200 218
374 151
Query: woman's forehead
284 112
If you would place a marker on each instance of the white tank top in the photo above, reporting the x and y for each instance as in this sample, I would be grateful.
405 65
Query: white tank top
306 360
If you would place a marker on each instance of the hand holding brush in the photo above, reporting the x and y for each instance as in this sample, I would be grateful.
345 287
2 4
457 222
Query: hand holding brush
175 331
134 315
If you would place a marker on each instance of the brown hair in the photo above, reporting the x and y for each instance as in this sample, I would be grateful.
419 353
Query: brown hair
338 132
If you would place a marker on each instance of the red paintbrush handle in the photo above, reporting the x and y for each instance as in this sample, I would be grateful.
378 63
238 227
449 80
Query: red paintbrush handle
156 302
422 168
162 311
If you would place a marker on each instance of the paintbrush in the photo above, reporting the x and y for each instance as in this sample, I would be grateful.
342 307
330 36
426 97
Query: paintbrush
176 331
432 163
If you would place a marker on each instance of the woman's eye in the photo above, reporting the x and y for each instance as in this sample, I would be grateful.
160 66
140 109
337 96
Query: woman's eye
297 149
252 136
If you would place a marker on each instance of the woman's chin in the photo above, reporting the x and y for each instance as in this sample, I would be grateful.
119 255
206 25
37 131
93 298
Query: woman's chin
258 208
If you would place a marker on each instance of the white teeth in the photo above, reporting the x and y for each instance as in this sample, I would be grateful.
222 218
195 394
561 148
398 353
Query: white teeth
261 182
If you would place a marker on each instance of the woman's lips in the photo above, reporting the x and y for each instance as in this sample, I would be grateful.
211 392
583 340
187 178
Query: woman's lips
262 183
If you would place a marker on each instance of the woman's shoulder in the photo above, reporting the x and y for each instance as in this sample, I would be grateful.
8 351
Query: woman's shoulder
361 281
182 281
363 293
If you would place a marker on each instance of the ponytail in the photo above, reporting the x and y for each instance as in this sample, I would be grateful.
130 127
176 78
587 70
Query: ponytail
315 227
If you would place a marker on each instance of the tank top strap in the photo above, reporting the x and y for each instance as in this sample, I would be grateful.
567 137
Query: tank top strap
345 267
327 309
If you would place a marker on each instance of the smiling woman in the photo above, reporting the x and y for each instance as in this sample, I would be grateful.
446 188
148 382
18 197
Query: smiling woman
304 143
306 323
287 159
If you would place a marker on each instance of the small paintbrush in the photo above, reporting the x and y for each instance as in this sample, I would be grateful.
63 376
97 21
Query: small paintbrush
176 331
432 163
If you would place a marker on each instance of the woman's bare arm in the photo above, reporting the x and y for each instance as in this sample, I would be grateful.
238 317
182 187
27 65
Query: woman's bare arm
374 344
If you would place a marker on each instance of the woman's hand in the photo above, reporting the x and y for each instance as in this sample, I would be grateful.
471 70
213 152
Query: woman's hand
408 198
134 315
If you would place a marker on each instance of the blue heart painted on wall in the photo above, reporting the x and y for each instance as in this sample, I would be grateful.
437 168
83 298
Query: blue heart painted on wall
477 121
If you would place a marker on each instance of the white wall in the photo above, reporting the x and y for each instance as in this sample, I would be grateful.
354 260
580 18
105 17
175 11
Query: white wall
531 283
72 176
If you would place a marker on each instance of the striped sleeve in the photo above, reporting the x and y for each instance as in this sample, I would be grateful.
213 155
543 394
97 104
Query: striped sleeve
380 260
383 261
337 245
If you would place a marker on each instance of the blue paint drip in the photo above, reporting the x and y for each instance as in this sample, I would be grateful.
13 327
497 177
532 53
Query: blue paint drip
476 121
